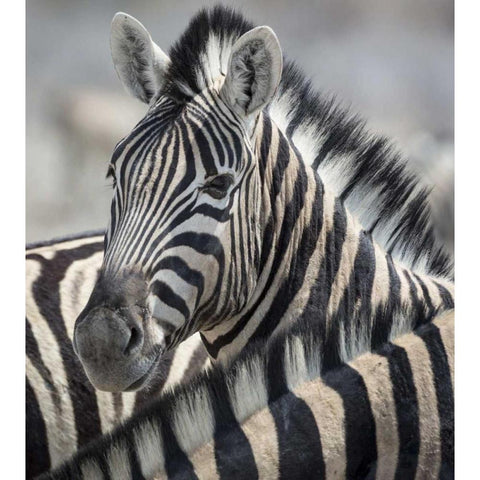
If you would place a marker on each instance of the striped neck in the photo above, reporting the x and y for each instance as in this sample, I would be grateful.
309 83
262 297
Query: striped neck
315 261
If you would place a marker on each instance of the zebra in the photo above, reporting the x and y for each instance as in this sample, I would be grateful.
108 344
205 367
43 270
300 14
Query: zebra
272 414
244 201
63 411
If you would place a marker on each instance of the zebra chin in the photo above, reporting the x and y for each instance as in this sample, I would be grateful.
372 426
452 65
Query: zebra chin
116 350
131 378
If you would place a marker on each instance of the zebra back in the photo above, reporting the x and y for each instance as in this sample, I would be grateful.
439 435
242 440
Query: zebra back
386 414
63 410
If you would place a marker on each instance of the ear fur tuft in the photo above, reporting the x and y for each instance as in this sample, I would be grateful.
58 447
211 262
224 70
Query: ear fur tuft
254 71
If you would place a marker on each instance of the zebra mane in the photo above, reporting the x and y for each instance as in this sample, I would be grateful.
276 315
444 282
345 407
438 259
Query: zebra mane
362 169
189 414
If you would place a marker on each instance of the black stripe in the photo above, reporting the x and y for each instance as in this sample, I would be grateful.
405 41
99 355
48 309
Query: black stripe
102 463
37 454
320 293
307 245
384 314
447 299
177 463
233 453
359 289
135 469
183 270
445 398
47 296
33 353
299 445
416 304
164 293
406 407
360 430
426 294
293 281
128 231
128 223
157 382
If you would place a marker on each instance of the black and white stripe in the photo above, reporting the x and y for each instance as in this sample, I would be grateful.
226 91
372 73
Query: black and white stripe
318 217
63 411
387 414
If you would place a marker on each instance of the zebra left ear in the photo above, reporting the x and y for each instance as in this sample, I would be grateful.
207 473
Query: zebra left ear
140 63
254 71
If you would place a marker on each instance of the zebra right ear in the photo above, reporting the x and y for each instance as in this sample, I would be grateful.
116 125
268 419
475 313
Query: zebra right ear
138 61
254 71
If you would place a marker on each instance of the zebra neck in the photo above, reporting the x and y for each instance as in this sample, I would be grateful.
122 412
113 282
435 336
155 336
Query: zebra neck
316 261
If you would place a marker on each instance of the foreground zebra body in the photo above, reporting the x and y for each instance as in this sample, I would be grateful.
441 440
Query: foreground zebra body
385 415
63 411
242 202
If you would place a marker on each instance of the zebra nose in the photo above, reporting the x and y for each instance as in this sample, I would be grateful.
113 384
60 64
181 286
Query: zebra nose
105 335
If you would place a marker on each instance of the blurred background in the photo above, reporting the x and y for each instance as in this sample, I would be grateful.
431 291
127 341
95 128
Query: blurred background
391 61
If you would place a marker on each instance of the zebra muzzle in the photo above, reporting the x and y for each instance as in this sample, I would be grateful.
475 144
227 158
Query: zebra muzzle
112 348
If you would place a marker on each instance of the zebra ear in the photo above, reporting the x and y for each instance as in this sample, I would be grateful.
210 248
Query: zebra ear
254 71
139 62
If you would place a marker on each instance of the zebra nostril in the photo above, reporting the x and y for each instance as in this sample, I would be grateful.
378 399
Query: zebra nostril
135 342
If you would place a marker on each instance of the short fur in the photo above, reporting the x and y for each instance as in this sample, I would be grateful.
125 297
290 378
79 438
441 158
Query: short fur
276 242
364 170
63 411
388 413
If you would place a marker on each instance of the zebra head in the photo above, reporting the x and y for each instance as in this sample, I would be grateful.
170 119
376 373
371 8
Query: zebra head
182 249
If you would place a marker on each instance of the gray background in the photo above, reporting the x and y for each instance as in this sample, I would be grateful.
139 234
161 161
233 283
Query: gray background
392 61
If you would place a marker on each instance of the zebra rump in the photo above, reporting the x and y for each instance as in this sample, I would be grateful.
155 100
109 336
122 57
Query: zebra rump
63 410
273 414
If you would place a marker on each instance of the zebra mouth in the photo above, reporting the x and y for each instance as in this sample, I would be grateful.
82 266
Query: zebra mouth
140 382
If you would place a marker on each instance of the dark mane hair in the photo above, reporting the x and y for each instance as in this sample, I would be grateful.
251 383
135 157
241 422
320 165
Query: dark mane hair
363 170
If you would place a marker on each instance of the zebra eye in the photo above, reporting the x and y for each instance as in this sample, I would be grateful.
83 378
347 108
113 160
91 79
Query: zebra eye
218 186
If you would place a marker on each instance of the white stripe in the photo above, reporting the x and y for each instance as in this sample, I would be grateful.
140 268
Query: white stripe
445 323
381 280
374 369
61 433
181 359
429 455
149 447
326 406
91 471
193 421
52 359
48 251
118 462
347 261
204 462
247 390
128 403
76 287
106 410
260 431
